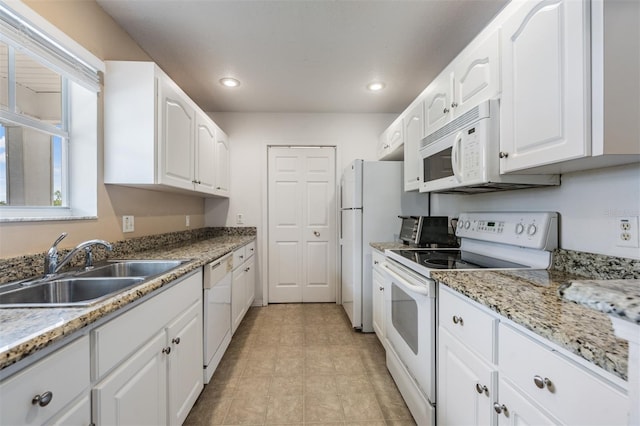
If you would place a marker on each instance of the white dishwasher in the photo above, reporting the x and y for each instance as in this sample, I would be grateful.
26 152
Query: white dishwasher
217 312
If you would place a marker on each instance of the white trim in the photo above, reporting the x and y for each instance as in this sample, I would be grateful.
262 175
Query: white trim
52 31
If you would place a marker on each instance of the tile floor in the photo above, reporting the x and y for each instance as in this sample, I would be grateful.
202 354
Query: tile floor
301 364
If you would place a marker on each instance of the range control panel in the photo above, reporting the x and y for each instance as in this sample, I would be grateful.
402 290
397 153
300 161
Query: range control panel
538 230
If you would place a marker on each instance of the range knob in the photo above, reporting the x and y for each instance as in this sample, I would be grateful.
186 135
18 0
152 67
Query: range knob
532 229
519 228
467 224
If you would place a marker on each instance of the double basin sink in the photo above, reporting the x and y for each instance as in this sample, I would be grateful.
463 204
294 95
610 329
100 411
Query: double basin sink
83 288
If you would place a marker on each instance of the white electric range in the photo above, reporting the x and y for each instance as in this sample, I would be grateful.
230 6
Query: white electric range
491 240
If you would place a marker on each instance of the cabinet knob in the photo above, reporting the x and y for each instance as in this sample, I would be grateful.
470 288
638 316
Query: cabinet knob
241 257
445 111
316 233
454 105
217 187
542 383
43 399
457 320
500 408
247 269
482 389
176 341
503 154
166 350
381 288
375 262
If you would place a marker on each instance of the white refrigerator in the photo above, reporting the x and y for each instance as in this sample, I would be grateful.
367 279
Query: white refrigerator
371 201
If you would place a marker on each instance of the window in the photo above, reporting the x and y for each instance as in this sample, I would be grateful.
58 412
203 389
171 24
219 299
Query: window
48 121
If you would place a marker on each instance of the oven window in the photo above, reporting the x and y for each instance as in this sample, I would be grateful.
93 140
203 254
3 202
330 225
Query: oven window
404 316
438 165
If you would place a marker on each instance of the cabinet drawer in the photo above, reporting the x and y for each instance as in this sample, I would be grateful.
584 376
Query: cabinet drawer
473 326
377 258
565 389
249 249
65 374
239 256
118 338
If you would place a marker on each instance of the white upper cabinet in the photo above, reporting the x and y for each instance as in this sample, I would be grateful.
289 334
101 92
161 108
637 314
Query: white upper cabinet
222 164
391 142
413 122
570 85
473 77
177 137
544 112
155 135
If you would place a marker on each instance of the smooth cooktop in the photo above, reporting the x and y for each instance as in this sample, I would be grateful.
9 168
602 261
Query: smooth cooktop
453 259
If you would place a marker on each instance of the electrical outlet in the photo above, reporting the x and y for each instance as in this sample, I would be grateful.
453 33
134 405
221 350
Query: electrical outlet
127 224
239 219
627 231
187 220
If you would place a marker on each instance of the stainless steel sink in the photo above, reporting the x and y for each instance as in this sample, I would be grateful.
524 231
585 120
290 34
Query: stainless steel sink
66 292
133 268
85 288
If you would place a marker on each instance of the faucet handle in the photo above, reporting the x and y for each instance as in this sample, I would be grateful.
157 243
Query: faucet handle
51 259
57 241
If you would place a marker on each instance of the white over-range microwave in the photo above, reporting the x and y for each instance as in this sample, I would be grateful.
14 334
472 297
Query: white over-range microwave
463 156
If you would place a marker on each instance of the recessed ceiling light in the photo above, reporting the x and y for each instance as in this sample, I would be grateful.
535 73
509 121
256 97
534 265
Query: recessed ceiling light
376 86
229 82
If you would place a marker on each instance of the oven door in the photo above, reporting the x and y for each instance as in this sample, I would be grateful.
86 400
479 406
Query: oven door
410 324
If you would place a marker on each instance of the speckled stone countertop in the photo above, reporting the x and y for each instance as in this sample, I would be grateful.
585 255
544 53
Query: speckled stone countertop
388 246
619 298
531 299
25 331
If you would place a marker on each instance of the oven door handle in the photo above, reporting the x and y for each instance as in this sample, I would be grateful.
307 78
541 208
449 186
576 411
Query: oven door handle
407 285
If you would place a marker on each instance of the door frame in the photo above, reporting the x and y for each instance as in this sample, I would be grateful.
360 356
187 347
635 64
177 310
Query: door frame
264 173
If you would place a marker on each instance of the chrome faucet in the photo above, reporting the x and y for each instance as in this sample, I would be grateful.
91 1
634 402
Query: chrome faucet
51 265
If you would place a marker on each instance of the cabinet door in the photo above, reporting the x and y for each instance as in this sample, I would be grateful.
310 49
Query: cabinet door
238 300
413 132
177 133
185 363
222 163
249 282
476 75
378 304
466 385
205 157
516 409
438 103
136 392
544 103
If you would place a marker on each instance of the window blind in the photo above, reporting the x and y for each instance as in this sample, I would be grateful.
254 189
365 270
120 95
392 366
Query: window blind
18 32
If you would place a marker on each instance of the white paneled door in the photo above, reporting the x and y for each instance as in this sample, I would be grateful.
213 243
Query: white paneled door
302 224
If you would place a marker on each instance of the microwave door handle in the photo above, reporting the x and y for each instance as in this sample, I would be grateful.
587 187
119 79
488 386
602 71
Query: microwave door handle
455 157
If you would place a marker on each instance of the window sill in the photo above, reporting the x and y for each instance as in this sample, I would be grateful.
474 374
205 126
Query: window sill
45 218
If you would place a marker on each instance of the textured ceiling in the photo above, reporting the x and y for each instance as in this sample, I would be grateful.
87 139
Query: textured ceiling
302 56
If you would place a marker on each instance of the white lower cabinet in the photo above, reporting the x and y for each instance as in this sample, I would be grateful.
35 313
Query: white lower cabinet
45 392
491 371
466 385
379 287
243 284
157 382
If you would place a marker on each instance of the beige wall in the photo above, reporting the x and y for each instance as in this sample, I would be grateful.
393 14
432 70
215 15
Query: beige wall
155 212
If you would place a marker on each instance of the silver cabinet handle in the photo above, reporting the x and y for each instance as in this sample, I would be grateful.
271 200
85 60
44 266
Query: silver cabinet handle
454 105
316 233
43 399
381 288
500 408
482 389
166 350
247 269
176 341
241 257
503 154
375 262
457 320
446 110
542 383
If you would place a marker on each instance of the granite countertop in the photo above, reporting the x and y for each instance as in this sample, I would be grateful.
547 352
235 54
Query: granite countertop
619 298
388 246
531 298
25 331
